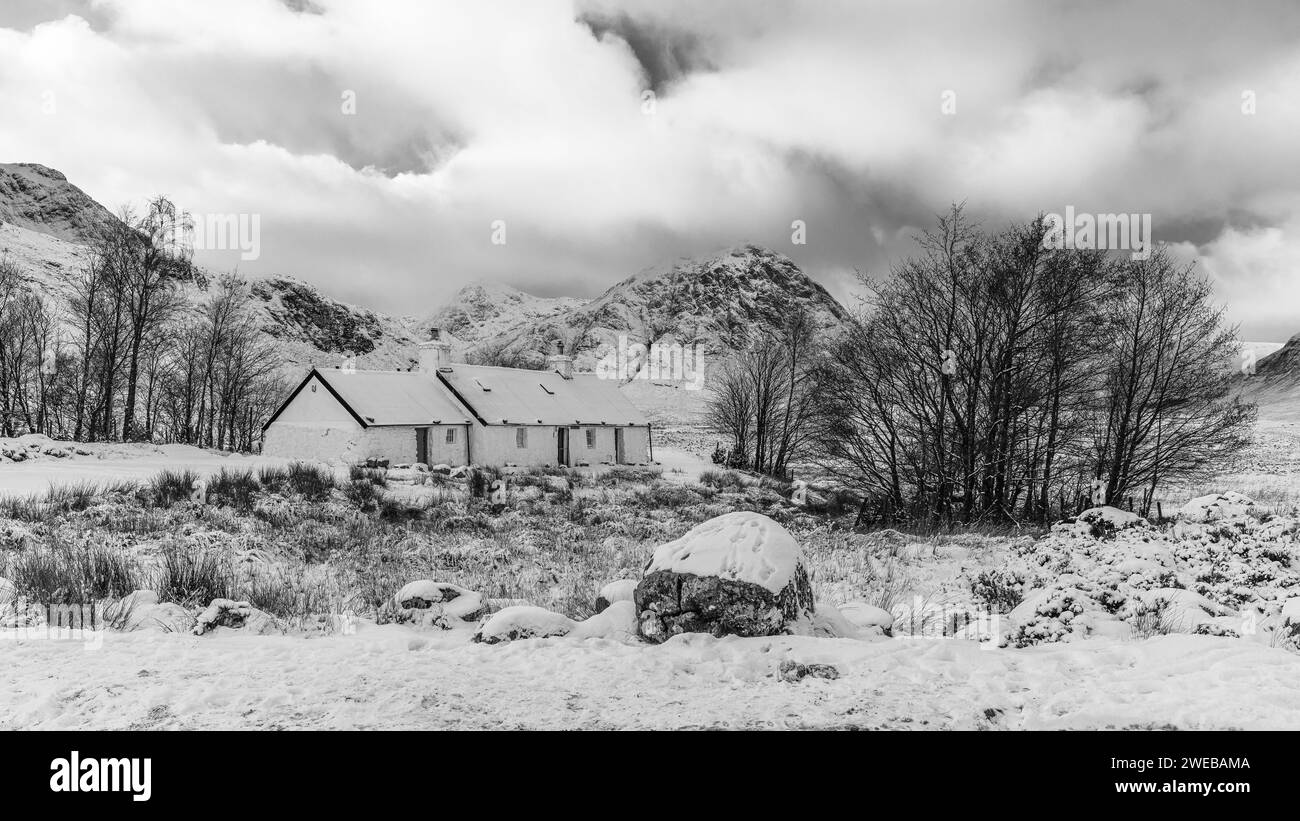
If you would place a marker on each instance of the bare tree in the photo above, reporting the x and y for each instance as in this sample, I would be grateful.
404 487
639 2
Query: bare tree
991 371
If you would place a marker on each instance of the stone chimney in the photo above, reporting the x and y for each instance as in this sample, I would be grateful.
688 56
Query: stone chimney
435 353
561 364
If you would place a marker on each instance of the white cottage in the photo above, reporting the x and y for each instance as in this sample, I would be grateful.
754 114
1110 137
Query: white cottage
457 414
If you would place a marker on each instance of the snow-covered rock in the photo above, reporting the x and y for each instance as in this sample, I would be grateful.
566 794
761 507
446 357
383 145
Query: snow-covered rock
621 590
416 474
832 623
794 671
618 621
237 615
522 622
432 603
740 574
1218 506
1099 522
867 617
741 546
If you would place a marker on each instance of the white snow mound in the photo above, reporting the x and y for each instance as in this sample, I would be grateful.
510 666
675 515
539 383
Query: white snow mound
617 622
1094 520
522 622
1216 506
863 615
742 546
621 590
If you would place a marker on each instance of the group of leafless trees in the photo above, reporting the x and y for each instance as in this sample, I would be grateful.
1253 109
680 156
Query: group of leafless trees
123 351
990 377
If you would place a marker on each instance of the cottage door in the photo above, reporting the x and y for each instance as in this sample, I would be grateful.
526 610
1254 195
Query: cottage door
422 445
618 446
562 446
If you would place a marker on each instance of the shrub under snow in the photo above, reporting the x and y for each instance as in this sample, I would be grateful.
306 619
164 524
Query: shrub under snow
522 622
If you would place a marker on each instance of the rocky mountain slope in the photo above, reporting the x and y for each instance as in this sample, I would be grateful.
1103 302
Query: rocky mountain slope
715 301
41 199
46 225
1275 384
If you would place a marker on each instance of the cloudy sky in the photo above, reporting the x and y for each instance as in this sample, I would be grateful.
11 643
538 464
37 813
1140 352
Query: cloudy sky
863 119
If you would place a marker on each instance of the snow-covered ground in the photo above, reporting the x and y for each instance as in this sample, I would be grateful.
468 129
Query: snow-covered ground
393 677
134 462
103 463
1108 622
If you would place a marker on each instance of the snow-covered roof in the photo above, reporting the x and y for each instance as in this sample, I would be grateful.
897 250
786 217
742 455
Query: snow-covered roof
395 397
378 398
514 396
461 393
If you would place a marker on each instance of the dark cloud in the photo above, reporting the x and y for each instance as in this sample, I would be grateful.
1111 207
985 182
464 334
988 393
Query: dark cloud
666 55
302 110
303 6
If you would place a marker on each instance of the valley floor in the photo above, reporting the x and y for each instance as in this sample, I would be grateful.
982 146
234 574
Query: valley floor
393 677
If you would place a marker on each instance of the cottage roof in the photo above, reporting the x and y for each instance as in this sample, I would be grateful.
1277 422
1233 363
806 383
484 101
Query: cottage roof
377 398
515 396
462 393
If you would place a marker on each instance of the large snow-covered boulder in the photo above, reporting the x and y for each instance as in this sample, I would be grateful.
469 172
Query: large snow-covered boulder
737 574
1099 522
621 590
1215 507
522 622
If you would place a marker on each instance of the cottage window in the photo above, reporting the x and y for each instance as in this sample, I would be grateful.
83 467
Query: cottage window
591 438
521 437
451 436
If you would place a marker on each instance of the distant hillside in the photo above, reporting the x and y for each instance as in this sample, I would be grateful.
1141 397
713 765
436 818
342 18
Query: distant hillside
1275 385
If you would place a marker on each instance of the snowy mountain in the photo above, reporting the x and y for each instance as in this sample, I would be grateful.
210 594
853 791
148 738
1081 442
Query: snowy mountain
715 300
488 311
